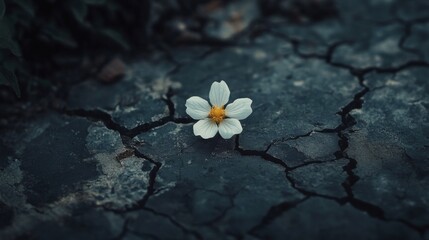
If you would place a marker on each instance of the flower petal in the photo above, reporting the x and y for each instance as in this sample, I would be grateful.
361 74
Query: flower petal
205 128
197 108
239 109
219 94
229 127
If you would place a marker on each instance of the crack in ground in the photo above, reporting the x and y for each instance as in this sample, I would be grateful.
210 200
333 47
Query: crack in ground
141 204
274 212
127 135
408 25
131 150
151 185
371 209
347 121
98 115
124 230
270 158
357 72
283 139
150 189
263 154
174 222
295 42
225 211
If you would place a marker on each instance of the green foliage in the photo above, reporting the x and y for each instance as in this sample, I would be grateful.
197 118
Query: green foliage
8 78
10 52
33 31
52 33
2 9
26 6
116 37
10 45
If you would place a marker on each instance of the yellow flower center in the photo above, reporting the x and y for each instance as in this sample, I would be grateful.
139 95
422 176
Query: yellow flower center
217 114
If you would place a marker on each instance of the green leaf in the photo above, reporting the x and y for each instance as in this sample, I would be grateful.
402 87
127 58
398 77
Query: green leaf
26 5
13 64
2 9
5 28
9 78
60 35
3 80
78 9
11 45
116 37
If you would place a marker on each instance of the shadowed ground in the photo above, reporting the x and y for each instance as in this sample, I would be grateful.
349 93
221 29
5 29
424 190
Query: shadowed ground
337 146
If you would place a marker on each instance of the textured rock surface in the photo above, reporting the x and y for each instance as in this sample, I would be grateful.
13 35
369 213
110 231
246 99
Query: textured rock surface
337 145
391 144
303 215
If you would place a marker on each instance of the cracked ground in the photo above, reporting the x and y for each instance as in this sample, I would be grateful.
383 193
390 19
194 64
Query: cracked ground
336 148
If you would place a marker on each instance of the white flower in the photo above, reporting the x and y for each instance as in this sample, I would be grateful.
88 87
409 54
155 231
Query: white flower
219 116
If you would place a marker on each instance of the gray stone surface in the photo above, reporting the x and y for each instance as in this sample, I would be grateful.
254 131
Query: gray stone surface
390 144
299 223
412 10
325 178
336 147
299 101
138 99
83 224
310 39
206 186
380 49
316 147
417 40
